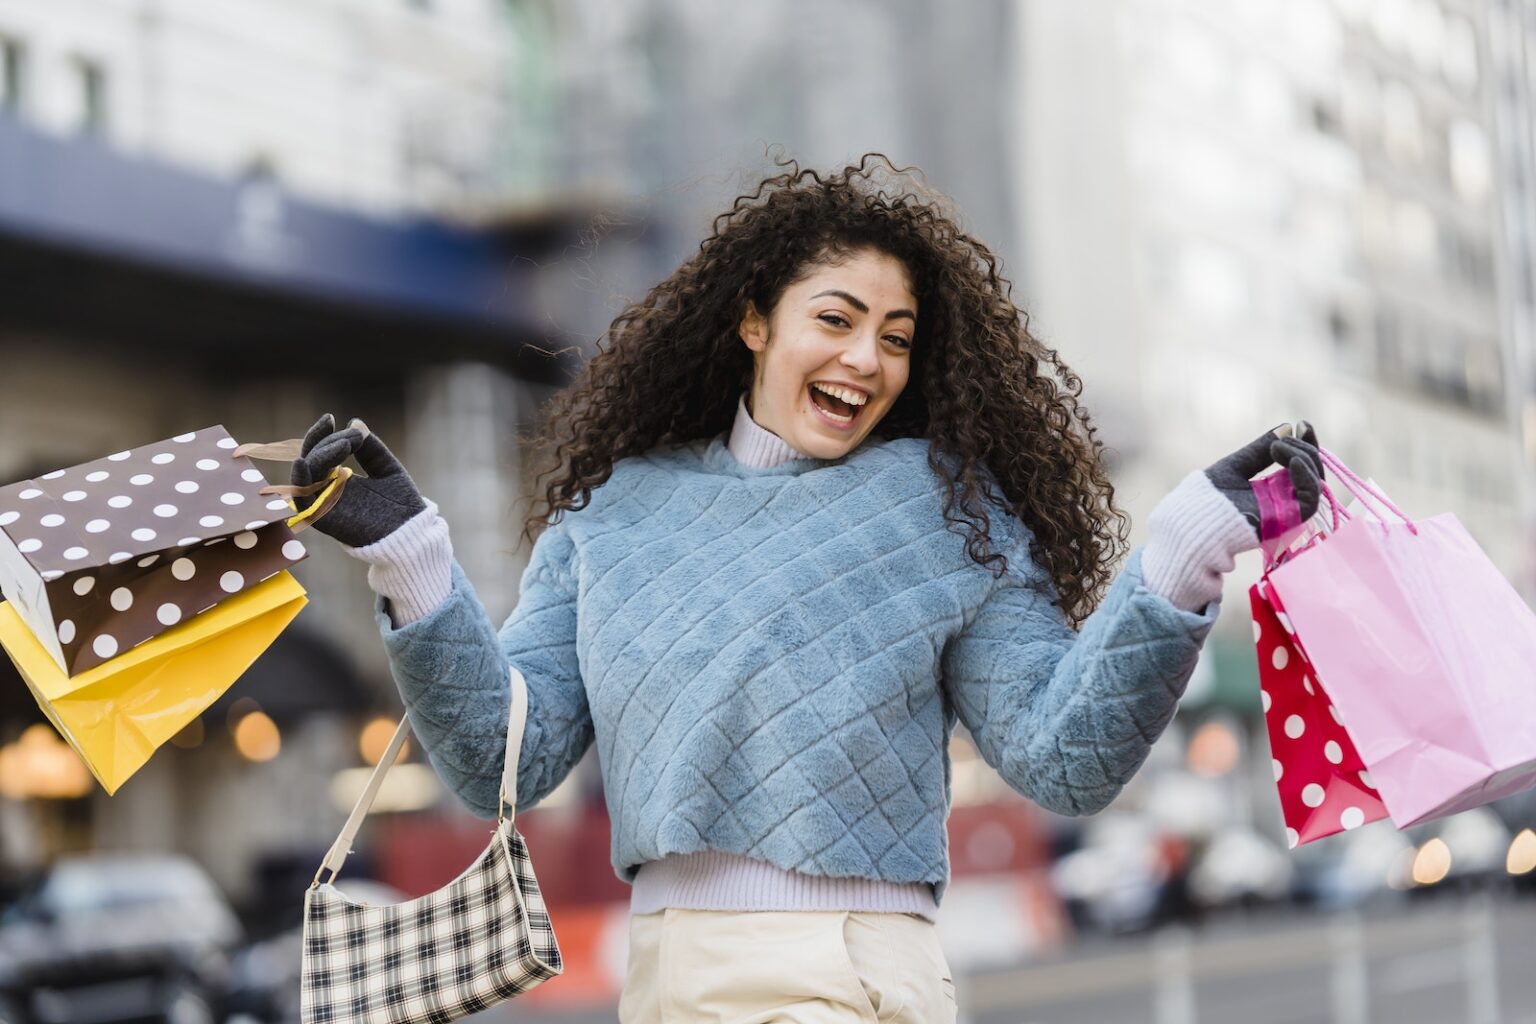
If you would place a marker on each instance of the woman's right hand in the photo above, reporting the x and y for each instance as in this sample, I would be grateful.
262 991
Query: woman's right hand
371 507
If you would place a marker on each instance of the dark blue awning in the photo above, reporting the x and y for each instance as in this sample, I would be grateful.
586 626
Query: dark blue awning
252 244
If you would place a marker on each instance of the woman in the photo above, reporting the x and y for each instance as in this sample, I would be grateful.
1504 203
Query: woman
823 497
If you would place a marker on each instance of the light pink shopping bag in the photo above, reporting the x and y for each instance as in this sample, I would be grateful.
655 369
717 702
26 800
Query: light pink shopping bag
1425 650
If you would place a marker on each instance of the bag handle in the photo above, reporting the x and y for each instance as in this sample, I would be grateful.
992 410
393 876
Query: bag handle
517 716
1362 490
329 489
1279 513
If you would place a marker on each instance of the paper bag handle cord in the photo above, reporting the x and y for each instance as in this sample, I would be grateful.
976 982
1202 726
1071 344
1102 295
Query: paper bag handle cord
1360 489
329 489
516 718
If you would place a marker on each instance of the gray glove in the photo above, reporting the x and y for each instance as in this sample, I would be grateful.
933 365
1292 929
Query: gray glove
1232 474
371 507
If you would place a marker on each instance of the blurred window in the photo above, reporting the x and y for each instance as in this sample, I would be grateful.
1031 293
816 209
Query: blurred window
1426 28
1264 98
1211 281
1311 31
1377 234
1458 56
1353 11
1197 60
90 97
13 59
1360 94
1402 128
1390 20
1416 232
1471 162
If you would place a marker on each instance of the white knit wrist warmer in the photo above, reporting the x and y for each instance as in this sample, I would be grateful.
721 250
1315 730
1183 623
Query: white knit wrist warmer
1195 536
412 567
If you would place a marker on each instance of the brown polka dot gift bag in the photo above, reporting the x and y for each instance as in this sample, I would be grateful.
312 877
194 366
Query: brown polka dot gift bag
141 585
1394 661
478 941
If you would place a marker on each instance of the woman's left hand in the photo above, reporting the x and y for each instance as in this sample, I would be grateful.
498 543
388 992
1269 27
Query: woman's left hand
1232 474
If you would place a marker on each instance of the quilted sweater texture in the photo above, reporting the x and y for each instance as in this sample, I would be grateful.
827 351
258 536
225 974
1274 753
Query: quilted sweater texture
771 661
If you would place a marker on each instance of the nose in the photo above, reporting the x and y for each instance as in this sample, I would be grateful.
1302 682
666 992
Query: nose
862 353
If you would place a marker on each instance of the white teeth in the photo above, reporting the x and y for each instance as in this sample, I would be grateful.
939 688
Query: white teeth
847 395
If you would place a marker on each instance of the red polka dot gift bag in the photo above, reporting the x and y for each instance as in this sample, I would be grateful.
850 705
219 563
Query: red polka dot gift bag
1395 662
1323 785
141 585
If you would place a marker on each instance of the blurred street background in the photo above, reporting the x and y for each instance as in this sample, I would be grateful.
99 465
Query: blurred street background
1224 215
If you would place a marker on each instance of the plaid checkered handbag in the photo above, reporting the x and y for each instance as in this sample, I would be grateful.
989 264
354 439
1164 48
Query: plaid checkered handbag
481 939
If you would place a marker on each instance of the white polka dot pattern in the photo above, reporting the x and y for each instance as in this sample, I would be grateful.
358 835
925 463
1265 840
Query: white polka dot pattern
1320 779
98 537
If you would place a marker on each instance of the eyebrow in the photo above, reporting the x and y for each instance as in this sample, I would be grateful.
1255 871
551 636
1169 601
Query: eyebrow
862 308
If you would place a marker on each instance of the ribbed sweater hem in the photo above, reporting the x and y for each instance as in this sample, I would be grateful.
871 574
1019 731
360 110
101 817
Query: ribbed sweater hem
712 880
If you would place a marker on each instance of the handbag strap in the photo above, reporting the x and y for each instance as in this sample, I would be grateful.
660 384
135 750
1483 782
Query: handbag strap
516 718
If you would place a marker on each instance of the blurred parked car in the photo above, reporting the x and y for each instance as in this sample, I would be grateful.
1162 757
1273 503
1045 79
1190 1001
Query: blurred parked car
264 976
117 937
1359 867
1118 880
1240 867
1466 848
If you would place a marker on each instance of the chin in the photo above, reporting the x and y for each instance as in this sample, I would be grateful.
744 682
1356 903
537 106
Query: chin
830 448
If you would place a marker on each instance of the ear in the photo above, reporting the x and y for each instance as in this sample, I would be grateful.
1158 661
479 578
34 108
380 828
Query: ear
753 329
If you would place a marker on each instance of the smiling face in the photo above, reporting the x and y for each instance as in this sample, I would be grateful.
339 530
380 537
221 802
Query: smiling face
846 327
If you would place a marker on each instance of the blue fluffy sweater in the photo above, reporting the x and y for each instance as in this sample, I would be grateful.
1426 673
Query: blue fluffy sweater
771 661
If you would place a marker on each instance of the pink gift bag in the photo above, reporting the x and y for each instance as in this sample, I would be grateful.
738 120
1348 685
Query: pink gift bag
1423 647
1321 780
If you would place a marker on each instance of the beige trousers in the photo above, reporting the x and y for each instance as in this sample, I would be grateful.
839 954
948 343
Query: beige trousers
785 967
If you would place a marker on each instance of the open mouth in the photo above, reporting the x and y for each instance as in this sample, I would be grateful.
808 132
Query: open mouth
833 409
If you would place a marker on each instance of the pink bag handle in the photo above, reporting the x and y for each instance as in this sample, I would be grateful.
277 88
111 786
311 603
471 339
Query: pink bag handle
1360 489
1280 514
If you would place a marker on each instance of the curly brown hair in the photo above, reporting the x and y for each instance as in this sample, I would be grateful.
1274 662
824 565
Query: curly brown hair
999 405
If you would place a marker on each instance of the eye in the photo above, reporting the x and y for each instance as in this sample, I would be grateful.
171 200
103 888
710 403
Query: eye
838 320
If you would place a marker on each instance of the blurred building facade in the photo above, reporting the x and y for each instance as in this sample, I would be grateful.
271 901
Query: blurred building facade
1509 89
250 214
1241 214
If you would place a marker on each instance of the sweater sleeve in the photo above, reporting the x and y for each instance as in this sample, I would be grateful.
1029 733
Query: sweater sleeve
452 669
1067 718
1194 536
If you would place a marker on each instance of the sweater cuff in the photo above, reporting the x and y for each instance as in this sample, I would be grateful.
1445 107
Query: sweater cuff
411 567
1195 535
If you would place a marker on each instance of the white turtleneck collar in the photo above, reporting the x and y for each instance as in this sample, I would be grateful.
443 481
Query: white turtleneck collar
755 445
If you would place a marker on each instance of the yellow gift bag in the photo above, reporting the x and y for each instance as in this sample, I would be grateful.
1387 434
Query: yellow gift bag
120 712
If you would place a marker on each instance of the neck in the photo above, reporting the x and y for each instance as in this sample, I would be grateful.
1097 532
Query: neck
758 446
